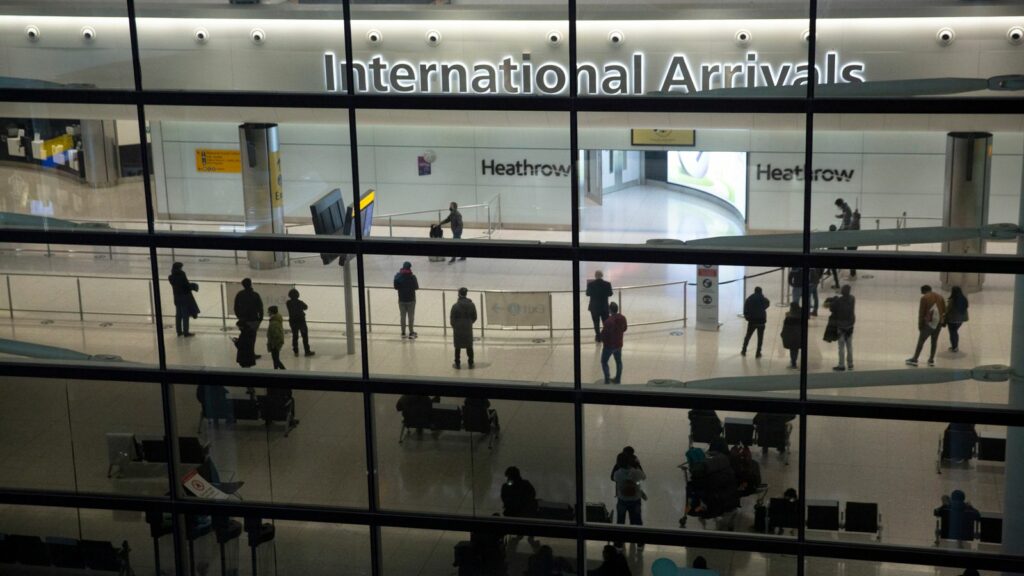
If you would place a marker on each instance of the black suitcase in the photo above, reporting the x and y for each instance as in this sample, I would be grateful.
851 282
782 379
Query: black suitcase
597 512
760 518
555 511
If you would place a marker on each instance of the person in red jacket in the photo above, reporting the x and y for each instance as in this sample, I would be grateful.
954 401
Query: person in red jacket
611 336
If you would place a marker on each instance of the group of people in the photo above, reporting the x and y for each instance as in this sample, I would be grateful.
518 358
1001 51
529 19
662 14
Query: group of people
609 325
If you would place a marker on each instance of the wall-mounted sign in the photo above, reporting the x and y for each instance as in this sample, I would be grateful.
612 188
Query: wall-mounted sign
707 297
659 137
219 161
524 167
516 76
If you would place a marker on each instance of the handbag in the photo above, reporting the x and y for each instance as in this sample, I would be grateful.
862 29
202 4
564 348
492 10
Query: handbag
831 331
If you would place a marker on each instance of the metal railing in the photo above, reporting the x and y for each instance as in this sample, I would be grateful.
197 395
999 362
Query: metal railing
493 224
901 223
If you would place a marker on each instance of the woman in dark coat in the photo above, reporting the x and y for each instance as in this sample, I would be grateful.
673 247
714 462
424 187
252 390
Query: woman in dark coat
462 317
185 306
956 315
791 333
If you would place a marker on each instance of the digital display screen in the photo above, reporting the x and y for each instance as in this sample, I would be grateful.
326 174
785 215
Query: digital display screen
721 174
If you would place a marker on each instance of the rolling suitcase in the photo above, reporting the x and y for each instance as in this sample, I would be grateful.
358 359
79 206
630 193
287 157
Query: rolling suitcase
555 511
436 232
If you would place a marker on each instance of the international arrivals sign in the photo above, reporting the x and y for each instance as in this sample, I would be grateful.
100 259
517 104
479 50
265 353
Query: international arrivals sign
522 76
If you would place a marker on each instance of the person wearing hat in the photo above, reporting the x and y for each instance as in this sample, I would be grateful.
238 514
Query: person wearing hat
406 285
462 317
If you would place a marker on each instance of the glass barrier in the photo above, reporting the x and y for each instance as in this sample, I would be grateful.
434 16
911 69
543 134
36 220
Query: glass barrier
52 540
230 170
918 183
271 445
832 567
58 305
660 560
513 325
211 319
187 45
945 483
479 47
728 471
920 49
406 551
475 456
71 167
53 44
681 48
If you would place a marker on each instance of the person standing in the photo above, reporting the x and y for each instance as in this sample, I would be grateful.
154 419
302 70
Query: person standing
297 322
599 291
454 219
843 314
275 336
930 314
956 315
796 285
249 311
845 217
755 312
813 278
611 336
407 285
185 306
628 493
462 318
832 271
791 331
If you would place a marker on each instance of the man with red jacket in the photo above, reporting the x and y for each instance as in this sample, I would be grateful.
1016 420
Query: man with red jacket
611 336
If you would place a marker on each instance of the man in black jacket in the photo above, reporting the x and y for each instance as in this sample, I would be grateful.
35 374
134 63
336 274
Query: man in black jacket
599 291
407 285
249 311
755 312
184 303
455 220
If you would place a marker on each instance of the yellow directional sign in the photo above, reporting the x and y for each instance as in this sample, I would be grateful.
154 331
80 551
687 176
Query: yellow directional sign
219 161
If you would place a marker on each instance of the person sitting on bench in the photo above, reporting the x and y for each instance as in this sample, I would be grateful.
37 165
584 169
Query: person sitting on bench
517 495
960 516
277 405
213 398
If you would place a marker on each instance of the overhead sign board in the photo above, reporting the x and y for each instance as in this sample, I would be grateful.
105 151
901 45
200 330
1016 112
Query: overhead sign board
659 137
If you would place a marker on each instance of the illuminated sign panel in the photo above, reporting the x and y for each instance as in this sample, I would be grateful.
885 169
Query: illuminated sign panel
519 76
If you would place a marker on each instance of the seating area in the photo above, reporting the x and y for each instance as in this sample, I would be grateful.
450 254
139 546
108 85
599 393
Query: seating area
55 555
425 413
959 444
855 517
277 405
768 431
980 527
130 454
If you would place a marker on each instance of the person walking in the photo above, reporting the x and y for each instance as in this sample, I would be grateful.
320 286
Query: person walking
796 286
791 331
755 312
813 278
454 219
611 336
275 336
462 318
249 311
628 493
956 315
599 291
845 217
297 322
843 315
930 314
407 285
185 306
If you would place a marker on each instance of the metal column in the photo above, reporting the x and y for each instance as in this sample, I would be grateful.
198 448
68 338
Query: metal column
966 196
261 188
99 153
1013 495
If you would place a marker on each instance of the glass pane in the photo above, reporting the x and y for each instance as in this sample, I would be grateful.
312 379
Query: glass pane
71 166
453 456
188 45
218 169
696 178
945 483
271 445
731 470
54 540
659 560
966 175
685 328
919 49
285 547
513 325
830 567
57 44
76 303
958 353
321 332
408 551
479 47
683 47
506 172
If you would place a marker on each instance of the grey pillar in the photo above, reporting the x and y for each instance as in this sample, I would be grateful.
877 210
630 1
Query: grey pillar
1013 494
965 202
261 189
99 153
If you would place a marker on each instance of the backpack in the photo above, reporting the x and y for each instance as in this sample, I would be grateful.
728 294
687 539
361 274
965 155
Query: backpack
932 317
629 488
694 455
